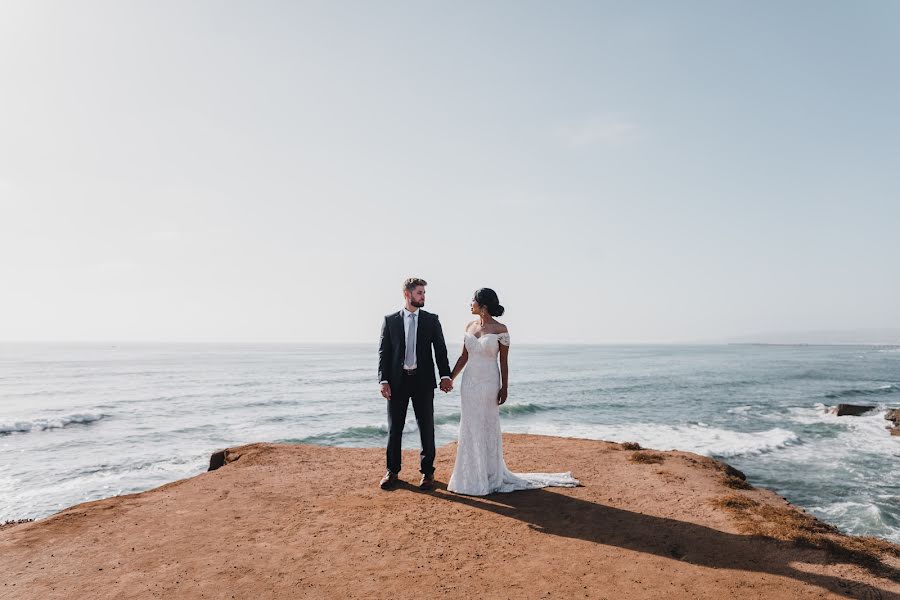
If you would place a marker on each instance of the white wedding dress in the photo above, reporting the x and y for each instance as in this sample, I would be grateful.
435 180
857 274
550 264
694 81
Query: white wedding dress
480 468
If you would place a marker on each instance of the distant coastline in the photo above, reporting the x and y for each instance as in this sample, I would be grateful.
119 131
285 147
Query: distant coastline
801 344
833 337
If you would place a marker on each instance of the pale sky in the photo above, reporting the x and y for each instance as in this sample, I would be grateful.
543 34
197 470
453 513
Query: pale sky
616 171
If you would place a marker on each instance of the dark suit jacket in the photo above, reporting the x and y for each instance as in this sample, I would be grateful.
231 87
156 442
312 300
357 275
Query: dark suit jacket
392 349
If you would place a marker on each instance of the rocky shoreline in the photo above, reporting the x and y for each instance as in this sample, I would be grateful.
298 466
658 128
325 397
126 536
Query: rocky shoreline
894 417
300 521
855 410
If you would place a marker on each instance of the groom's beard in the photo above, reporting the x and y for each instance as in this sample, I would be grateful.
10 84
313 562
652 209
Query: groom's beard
417 304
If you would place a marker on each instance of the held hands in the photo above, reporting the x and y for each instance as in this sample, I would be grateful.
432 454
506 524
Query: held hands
446 387
501 396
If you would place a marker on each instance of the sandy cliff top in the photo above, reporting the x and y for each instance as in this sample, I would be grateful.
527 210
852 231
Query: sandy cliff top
288 521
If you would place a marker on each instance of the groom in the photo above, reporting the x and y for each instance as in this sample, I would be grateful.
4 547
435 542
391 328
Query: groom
406 371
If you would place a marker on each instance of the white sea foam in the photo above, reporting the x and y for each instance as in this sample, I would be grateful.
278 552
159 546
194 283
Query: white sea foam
97 481
839 508
50 422
856 517
868 430
815 415
699 438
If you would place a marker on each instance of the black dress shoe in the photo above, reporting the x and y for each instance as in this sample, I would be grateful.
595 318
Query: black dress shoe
427 482
388 481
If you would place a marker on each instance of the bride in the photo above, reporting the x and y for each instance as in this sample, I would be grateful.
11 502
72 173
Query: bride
480 468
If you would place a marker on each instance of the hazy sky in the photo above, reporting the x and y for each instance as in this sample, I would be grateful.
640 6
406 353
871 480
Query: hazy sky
618 172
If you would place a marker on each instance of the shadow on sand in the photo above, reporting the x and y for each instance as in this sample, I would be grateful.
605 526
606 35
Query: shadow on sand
562 515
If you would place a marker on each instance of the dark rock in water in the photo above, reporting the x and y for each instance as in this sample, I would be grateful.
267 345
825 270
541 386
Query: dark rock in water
853 410
216 460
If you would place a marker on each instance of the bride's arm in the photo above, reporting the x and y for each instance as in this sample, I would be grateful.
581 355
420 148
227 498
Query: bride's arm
504 367
504 373
460 363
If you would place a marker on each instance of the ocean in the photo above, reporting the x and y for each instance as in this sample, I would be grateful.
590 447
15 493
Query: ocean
80 422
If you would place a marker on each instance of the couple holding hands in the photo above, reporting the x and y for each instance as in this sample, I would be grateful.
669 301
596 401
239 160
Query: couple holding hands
406 372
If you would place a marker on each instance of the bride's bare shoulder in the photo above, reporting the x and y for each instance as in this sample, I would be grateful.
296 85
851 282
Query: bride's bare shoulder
501 328
471 325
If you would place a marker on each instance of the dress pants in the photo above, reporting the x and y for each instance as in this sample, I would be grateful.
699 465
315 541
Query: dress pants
422 395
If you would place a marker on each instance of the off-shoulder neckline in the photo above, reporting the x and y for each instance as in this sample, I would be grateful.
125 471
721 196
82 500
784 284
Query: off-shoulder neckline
478 337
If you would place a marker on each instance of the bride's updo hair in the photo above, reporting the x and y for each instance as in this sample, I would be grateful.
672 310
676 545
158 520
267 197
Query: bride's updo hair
487 298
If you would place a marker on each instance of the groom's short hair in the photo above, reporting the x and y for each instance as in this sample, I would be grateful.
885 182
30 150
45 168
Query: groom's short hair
412 283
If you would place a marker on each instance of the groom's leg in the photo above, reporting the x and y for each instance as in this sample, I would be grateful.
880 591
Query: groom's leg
396 408
423 405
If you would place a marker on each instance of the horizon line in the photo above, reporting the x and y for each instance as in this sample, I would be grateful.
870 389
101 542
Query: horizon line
375 344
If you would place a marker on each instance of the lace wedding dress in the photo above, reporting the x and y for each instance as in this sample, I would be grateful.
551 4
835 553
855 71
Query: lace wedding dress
480 468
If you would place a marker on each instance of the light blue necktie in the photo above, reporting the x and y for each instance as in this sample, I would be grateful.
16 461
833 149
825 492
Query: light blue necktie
411 341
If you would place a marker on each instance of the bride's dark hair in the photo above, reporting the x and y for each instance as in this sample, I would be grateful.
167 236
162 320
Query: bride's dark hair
487 298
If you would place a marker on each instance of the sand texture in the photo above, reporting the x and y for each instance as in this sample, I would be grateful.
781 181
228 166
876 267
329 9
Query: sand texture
293 521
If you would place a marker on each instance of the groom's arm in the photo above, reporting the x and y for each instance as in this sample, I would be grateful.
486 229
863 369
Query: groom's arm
440 350
384 353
